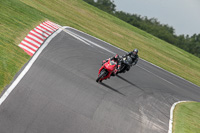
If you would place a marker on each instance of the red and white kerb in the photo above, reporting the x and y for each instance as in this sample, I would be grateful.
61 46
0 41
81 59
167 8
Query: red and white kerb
37 36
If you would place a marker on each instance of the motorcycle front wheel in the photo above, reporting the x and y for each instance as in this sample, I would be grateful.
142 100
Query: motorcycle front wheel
122 69
101 75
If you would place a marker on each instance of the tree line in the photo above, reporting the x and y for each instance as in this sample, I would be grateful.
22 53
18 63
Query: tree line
152 26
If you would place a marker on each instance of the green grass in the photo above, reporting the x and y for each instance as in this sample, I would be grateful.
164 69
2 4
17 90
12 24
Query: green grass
187 118
18 17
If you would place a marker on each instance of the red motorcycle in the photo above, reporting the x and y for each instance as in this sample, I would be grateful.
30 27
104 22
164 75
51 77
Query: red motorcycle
106 70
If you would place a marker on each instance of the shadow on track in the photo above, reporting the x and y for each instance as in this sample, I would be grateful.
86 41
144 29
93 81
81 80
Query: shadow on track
129 82
107 86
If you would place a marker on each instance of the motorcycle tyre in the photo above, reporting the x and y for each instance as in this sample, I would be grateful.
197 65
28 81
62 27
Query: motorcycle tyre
100 76
123 70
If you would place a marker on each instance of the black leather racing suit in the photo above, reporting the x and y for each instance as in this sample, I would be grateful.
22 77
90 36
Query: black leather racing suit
134 58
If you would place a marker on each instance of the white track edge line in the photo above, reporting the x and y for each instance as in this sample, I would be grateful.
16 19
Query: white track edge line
171 115
78 38
140 57
28 66
92 42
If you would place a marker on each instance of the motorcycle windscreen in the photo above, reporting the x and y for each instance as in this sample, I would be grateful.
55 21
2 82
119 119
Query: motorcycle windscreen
113 63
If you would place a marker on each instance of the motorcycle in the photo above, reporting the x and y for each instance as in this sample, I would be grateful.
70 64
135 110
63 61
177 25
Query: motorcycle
106 70
126 62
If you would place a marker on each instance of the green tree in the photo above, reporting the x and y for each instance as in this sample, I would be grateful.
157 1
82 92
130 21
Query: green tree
152 26
106 5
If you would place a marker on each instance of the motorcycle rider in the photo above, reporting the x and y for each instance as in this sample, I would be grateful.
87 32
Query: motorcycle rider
116 59
134 55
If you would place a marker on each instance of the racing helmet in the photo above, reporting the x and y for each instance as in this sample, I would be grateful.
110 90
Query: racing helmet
135 51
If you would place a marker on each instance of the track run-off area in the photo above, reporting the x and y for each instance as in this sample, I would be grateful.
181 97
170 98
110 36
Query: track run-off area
56 91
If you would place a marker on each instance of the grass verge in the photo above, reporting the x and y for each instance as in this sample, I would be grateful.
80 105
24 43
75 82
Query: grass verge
18 17
187 118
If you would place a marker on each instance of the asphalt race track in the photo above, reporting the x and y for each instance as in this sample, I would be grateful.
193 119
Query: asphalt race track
59 93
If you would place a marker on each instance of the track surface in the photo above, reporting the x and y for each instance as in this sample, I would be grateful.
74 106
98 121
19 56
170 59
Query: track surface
59 93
